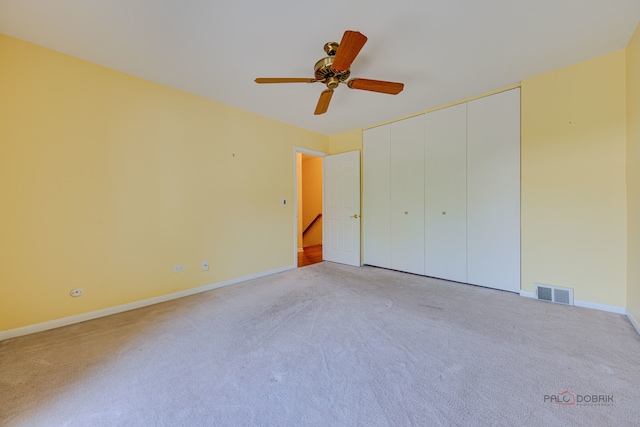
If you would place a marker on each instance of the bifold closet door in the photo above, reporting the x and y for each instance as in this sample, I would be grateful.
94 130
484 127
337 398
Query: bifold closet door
376 196
446 193
407 195
493 191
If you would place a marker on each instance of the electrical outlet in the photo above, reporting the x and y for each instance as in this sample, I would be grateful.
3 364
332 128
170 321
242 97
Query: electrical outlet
205 265
178 268
76 292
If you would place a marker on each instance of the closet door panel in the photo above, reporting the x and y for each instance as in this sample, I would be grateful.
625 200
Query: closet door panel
446 193
376 195
493 191
407 195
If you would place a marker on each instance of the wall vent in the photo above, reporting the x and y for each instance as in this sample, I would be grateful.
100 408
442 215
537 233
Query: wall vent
554 294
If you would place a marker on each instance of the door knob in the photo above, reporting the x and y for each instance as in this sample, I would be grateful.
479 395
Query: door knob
444 212
354 216
406 212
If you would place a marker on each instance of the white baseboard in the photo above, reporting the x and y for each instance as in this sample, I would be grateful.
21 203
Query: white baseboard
65 321
586 304
527 294
633 321
601 307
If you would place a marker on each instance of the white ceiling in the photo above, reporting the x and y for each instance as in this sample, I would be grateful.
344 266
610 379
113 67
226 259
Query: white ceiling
443 50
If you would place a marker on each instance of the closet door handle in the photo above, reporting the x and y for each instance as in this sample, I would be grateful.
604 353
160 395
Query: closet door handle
354 216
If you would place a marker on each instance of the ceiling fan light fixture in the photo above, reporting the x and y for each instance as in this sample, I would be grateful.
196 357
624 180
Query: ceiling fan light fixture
333 82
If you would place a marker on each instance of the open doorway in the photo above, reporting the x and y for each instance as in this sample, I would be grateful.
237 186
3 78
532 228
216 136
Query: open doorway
308 207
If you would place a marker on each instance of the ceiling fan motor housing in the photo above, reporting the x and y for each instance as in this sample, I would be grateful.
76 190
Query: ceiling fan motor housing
324 72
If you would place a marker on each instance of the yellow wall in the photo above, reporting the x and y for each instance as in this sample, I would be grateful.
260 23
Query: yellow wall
312 195
345 142
108 181
574 211
633 175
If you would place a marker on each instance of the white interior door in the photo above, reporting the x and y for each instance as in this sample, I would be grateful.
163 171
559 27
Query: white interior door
446 193
341 210
493 191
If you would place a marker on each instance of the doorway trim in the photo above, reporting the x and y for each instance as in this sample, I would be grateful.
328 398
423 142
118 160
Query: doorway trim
314 153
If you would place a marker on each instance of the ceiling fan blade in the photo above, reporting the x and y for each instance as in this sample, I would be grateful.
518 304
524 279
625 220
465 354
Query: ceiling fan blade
380 86
352 42
323 102
284 80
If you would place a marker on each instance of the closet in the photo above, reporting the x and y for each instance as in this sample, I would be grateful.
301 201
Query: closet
441 193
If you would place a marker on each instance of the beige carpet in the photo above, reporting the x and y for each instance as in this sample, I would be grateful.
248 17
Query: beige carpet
328 345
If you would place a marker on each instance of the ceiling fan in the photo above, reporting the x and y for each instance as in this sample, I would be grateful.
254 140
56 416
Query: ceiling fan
334 69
